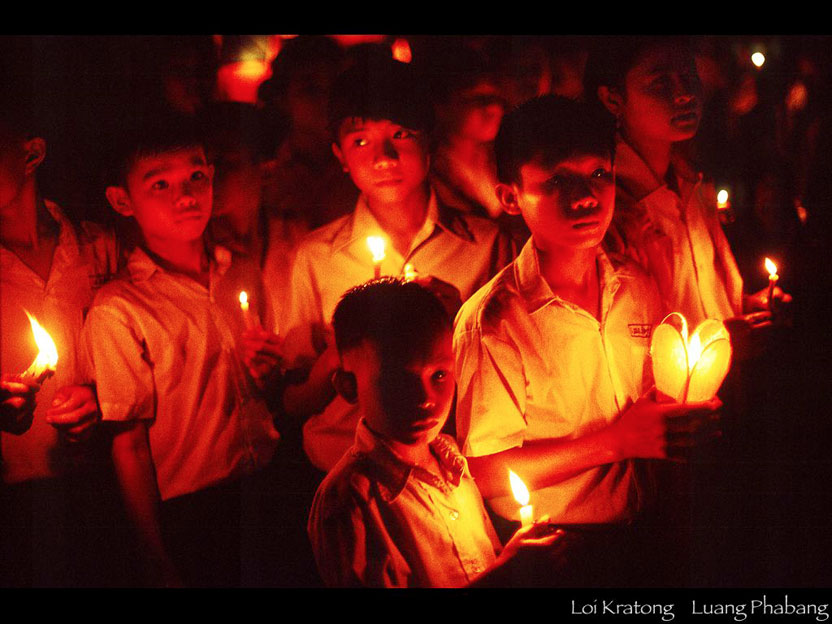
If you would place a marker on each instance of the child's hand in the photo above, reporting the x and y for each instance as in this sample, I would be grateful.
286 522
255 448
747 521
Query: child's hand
262 354
17 404
74 412
653 430
758 302
537 536
447 293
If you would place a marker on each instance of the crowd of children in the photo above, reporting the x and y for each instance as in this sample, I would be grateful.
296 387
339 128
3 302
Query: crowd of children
354 422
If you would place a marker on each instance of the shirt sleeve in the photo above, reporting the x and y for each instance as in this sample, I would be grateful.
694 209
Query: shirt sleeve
115 359
491 394
353 547
302 315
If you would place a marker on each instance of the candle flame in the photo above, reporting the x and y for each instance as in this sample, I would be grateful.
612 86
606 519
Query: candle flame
518 488
722 198
758 58
376 245
243 297
771 267
47 357
409 272
401 51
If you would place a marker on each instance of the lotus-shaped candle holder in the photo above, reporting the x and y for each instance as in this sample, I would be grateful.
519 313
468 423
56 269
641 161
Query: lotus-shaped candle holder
691 368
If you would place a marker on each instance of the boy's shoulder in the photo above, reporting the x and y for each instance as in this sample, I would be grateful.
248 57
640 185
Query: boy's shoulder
349 483
323 238
492 303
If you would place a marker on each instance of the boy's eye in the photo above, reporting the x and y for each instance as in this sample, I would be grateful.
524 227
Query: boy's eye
198 175
440 375
404 134
553 183
159 185
600 173
360 142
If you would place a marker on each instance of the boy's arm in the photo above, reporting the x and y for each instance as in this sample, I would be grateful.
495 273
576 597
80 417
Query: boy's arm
137 479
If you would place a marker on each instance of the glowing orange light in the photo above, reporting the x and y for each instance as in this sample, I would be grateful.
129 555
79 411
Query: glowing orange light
402 51
376 246
771 268
244 300
521 495
758 58
690 369
722 199
44 364
244 306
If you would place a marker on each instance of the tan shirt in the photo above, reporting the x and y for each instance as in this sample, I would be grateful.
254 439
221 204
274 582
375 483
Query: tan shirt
163 348
677 239
462 250
377 521
84 258
532 366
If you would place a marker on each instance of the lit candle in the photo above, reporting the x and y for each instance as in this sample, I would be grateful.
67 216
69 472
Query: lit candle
759 59
248 319
376 246
409 272
521 495
44 364
772 280
722 199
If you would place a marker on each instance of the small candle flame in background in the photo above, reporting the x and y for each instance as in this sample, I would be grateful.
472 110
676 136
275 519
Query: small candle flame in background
759 59
243 300
772 280
722 199
771 267
401 51
47 359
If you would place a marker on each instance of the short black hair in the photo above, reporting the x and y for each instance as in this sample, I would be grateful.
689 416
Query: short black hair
149 133
230 126
551 127
377 86
611 58
400 318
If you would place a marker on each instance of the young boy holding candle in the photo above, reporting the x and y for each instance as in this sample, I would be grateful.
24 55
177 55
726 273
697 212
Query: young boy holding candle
666 213
191 430
552 354
400 508
51 458
380 118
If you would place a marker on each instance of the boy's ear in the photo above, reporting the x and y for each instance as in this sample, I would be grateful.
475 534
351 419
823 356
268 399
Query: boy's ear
507 195
35 149
346 385
119 200
611 99
340 156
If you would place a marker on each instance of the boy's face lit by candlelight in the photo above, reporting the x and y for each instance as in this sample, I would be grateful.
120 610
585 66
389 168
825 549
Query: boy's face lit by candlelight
662 97
386 161
169 195
406 399
565 204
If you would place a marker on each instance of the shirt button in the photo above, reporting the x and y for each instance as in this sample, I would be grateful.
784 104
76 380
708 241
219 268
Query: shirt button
454 515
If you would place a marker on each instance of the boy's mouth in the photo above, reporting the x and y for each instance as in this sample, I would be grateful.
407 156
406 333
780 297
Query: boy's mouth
685 118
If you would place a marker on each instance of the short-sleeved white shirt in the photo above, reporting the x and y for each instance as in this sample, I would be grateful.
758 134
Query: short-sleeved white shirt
532 366
163 348
676 238
84 258
463 250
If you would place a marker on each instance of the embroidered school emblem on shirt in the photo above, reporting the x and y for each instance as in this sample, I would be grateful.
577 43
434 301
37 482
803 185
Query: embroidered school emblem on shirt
639 330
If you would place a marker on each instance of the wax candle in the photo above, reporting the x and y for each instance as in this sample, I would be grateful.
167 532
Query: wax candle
376 246
772 281
248 318
521 495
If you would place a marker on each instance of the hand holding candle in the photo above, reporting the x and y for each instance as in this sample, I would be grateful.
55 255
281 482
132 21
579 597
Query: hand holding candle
376 246
521 495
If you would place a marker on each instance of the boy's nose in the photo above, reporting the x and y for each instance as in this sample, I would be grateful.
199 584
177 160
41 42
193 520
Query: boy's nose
386 156
186 199
582 198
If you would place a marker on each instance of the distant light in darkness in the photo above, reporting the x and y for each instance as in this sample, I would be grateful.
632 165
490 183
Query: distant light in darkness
758 58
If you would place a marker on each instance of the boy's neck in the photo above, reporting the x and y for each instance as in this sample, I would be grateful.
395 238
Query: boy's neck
656 154
572 274
24 218
188 258
401 221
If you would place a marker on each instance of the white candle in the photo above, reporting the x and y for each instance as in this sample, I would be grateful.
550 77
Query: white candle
521 495
376 246
772 281
247 315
